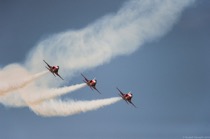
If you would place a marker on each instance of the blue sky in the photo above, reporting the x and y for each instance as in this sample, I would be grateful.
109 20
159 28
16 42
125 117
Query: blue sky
168 76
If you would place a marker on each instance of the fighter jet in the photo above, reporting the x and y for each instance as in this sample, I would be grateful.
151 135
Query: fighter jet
127 97
53 69
91 83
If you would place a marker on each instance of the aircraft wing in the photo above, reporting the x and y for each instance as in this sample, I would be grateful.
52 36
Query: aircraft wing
132 103
91 88
84 77
59 76
47 64
120 92
52 73
97 90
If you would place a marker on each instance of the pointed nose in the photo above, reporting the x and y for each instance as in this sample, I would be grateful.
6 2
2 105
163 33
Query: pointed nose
130 94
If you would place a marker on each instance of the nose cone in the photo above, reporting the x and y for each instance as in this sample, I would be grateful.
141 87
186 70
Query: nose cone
130 95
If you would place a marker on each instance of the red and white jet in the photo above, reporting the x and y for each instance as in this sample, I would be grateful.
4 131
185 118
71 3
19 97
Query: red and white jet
91 83
53 69
127 97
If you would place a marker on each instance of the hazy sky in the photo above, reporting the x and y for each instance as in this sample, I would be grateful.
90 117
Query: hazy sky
169 77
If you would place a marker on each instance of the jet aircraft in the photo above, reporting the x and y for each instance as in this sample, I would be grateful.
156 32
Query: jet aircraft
127 97
53 69
91 83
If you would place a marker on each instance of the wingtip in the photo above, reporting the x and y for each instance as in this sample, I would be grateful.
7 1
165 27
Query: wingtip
82 75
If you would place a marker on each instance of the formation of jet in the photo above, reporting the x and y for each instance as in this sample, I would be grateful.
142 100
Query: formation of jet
127 97
91 83
53 69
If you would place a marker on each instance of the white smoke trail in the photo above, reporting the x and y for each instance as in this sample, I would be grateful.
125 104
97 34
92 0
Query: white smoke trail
26 97
59 108
40 96
137 22
20 83
12 99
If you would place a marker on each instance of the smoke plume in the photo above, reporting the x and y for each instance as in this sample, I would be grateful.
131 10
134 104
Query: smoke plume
14 77
61 108
121 33
27 97
40 96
